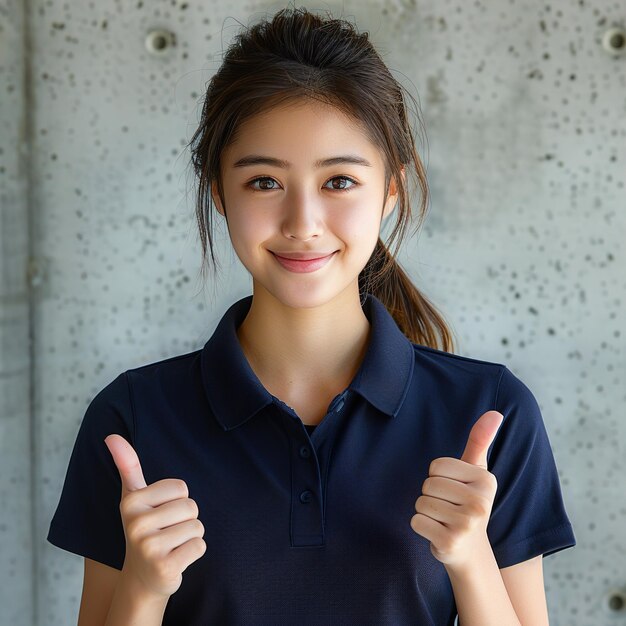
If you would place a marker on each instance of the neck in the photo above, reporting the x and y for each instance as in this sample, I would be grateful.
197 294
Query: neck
291 350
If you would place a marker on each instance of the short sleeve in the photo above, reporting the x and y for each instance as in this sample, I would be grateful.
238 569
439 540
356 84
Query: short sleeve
528 516
87 520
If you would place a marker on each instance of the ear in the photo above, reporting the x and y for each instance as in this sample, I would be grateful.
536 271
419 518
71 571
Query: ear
392 198
216 198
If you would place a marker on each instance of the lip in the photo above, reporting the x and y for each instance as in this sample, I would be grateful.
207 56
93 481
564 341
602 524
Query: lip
302 256
304 265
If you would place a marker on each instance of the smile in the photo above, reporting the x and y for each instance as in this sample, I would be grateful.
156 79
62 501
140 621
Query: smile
304 266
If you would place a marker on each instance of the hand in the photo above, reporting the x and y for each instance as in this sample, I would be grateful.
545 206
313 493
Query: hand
163 534
458 495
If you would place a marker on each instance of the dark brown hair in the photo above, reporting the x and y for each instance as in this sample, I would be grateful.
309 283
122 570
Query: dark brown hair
300 55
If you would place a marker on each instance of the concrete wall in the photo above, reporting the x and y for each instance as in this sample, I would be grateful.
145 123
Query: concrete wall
525 114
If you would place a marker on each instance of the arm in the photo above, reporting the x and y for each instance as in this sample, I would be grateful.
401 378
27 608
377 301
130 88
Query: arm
99 583
480 595
134 606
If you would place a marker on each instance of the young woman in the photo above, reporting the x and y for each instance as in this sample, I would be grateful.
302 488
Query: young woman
325 458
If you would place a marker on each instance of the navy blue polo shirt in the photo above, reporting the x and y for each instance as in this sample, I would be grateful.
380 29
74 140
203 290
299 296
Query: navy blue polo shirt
312 527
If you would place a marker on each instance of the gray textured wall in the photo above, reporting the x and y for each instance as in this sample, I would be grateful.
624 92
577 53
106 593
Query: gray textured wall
525 114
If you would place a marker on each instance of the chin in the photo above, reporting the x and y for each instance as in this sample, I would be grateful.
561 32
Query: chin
304 297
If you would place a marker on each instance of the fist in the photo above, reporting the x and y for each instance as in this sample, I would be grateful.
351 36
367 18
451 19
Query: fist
161 525
454 508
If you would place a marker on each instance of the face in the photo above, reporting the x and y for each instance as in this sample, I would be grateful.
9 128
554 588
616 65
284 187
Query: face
300 205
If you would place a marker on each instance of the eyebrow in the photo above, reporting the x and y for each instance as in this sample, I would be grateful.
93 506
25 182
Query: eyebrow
257 159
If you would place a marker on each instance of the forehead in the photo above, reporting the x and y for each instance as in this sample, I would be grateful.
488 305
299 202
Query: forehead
302 131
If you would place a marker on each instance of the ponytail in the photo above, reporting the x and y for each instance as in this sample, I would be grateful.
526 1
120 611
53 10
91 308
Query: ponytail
414 314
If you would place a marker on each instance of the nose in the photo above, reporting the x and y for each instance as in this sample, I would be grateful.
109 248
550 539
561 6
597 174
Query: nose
304 216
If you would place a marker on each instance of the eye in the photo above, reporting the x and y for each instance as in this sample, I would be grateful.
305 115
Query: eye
354 183
263 179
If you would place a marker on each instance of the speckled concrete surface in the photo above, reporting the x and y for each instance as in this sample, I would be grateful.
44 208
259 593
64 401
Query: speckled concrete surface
525 115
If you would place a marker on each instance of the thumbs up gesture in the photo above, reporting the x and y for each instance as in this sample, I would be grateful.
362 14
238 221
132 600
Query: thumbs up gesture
458 494
163 534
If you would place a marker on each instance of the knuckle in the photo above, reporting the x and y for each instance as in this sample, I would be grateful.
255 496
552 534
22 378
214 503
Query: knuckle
467 522
493 481
193 507
477 508
181 485
128 502
163 569
197 526
434 467
134 529
150 548
124 507
200 544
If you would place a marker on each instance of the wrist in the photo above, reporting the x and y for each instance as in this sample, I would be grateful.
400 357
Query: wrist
133 604
136 589
482 553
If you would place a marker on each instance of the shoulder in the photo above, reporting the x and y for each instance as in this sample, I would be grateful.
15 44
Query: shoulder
171 371
170 363
451 359
456 371
117 398
464 373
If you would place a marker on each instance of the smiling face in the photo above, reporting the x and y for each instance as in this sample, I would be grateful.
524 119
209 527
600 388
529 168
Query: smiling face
295 204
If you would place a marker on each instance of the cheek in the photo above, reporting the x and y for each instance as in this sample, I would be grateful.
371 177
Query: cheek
357 226
249 227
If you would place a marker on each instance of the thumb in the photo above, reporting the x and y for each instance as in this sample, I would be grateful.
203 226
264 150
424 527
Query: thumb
127 462
480 438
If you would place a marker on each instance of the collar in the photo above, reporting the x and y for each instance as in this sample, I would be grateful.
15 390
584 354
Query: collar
235 394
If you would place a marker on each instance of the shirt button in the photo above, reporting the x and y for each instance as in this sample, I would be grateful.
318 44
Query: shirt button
305 453
305 496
